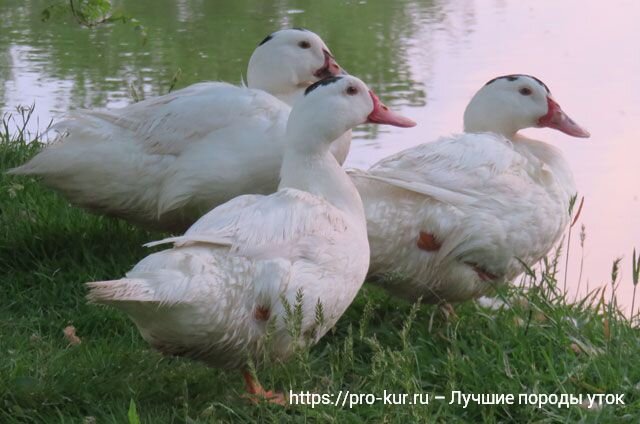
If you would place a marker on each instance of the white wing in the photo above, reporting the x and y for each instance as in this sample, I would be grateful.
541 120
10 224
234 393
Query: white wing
169 124
456 170
289 223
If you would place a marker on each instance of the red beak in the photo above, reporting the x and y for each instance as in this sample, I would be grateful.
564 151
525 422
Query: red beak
383 115
330 67
557 119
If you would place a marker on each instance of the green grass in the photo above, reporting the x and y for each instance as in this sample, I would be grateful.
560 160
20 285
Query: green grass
48 249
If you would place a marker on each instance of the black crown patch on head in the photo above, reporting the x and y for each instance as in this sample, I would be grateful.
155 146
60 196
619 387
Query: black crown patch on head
267 38
322 82
270 36
515 77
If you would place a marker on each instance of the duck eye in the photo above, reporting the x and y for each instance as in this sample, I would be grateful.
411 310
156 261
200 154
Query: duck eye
304 45
352 91
525 91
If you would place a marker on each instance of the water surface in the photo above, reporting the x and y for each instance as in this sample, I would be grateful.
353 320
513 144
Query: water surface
426 58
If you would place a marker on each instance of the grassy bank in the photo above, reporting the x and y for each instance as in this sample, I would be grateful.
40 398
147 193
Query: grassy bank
539 345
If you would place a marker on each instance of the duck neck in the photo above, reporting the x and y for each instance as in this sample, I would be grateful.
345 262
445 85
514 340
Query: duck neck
503 130
527 147
317 172
285 93
549 155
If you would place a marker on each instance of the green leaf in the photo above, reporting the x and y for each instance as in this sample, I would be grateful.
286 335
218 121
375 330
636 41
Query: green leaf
133 414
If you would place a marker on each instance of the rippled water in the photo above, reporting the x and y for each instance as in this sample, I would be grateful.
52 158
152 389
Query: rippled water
424 57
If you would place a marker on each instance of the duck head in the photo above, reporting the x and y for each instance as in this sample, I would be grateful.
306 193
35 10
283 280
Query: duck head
286 62
337 104
510 103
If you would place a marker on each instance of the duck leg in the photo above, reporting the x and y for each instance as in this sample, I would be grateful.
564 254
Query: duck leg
448 311
256 392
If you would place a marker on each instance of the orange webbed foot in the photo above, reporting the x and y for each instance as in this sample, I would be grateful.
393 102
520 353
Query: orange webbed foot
256 393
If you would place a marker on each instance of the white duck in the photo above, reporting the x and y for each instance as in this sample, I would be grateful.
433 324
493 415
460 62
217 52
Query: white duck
214 294
166 161
447 219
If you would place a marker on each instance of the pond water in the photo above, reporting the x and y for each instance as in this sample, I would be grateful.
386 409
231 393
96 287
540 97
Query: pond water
426 58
